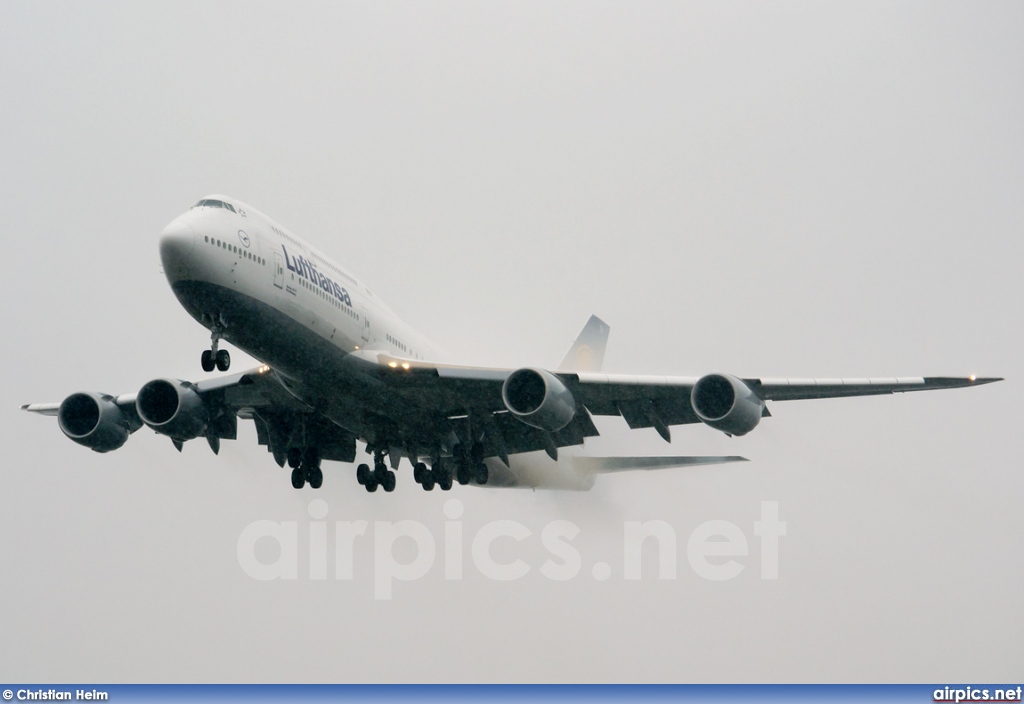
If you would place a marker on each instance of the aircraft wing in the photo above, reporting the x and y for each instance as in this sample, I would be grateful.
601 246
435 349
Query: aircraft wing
642 401
258 394
798 389
425 406
43 409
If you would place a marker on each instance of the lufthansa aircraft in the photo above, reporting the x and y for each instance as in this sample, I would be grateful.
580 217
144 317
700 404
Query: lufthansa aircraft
340 367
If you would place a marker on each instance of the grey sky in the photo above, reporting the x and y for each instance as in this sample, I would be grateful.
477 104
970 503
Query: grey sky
776 189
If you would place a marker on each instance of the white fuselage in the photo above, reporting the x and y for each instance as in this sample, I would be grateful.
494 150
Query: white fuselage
246 252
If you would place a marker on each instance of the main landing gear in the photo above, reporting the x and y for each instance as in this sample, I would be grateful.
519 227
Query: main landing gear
214 357
221 359
467 472
305 466
441 473
380 476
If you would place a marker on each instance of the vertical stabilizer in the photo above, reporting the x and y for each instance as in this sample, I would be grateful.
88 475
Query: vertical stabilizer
587 351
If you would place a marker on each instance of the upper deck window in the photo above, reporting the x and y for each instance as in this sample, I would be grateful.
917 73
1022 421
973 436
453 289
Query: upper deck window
212 203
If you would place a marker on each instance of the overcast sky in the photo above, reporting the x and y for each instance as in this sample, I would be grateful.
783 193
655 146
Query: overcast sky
765 189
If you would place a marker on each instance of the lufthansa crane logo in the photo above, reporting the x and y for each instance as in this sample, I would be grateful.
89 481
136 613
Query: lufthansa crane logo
244 238
584 358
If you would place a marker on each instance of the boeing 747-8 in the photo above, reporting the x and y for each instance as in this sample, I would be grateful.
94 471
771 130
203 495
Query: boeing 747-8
340 367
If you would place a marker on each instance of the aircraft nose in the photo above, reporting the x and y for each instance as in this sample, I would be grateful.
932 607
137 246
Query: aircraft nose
176 244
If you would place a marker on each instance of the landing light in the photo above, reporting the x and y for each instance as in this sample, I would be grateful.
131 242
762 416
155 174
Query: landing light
392 364
405 365
972 377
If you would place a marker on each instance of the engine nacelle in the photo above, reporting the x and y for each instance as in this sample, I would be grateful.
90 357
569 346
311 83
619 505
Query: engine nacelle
726 403
538 398
172 407
93 420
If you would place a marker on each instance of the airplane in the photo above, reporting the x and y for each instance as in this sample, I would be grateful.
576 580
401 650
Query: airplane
339 367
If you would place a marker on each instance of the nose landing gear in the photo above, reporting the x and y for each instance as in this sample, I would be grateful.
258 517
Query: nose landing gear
221 359
214 357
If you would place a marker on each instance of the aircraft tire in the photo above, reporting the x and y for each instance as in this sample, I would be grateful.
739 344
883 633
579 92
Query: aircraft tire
481 473
207 361
316 479
298 478
445 481
223 360
389 482
363 474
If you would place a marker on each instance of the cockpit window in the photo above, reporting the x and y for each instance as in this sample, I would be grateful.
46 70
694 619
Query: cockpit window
211 203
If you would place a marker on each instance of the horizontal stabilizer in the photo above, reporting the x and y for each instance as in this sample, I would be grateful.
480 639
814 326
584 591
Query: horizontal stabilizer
605 465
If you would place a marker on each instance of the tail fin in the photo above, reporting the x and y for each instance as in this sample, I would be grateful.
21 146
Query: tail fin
587 352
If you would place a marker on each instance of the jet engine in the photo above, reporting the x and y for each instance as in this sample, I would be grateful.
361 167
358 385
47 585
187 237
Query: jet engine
93 420
726 403
172 407
539 399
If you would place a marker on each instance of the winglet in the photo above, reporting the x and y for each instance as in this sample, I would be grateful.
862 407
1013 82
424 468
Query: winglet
587 351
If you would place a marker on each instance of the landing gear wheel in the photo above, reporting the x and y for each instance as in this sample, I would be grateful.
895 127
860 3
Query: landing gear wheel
294 457
371 486
419 472
363 474
223 360
315 477
380 470
444 479
481 473
207 361
462 473
389 482
476 454
428 481
298 478
442 475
